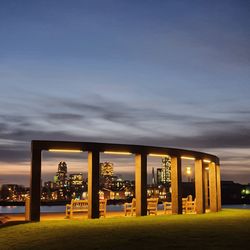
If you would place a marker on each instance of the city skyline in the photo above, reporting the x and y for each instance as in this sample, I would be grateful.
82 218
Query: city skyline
162 73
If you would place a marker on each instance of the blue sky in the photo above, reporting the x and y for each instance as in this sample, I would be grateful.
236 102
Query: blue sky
167 73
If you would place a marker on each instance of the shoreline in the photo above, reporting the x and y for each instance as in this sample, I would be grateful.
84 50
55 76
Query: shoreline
55 203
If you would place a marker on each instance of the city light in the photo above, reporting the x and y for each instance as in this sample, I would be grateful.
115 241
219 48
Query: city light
187 158
158 155
65 150
188 170
117 153
188 173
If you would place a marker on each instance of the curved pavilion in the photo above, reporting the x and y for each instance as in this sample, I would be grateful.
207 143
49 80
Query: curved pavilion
202 161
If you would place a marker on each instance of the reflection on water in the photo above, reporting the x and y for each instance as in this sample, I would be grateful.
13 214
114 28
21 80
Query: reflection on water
48 209
61 209
237 206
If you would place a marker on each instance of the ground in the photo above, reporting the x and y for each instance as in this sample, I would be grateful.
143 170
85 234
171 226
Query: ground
228 229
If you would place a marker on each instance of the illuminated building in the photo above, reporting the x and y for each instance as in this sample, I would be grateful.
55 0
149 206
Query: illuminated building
76 185
61 175
50 185
153 177
164 173
76 180
159 176
166 170
13 192
188 173
107 177
61 180
106 168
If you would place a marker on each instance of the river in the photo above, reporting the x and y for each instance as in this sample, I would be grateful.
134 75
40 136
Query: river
61 209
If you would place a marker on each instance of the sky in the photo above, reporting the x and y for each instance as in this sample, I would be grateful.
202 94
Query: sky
152 72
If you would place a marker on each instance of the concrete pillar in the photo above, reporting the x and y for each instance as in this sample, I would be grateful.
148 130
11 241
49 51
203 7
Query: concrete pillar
141 184
199 187
176 185
206 187
35 184
93 184
213 187
218 188
27 209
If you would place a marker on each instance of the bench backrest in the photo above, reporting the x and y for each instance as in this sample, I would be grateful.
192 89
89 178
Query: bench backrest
167 205
102 204
152 203
79 204
133 203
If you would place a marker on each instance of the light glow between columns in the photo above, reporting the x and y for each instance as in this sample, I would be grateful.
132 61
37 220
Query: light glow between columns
65 150
158 155
206 161
187 158
117 153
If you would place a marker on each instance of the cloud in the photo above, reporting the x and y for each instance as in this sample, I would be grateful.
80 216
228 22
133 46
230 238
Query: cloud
61 117
116 122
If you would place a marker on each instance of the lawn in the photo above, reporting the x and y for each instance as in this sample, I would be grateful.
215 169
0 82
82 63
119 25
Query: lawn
228 229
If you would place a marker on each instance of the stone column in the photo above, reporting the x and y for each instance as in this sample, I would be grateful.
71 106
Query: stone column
213 187
93 184
141 184
176 185
199 188
218 187
206 187
35 184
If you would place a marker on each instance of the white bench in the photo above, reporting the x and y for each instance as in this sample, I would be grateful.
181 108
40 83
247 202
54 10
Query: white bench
129 207
81 206
152 204
188 205
76 206
167 207
191 206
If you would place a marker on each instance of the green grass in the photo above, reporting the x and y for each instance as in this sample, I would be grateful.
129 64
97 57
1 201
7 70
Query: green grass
228 229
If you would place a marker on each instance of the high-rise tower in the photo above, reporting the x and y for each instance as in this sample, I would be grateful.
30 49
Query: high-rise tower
153 176
166 170
164 173
61 174
107 168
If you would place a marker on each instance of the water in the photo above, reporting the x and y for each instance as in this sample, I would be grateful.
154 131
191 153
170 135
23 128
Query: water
55 209
48 209
61 209
237 206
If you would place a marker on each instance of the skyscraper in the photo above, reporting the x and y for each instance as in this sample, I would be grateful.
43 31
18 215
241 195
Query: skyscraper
76 180
106 174
107 168
153 176
166 170
61 174
62 167
164 173
159 176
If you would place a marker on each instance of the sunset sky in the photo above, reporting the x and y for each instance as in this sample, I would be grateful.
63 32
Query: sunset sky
152 72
